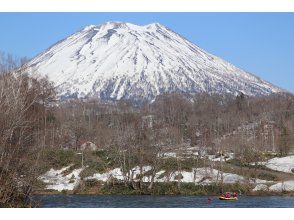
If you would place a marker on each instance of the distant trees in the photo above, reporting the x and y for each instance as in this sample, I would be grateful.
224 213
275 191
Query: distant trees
205 122
9 62
285 141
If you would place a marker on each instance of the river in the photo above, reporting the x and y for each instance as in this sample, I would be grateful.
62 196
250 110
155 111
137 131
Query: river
120 201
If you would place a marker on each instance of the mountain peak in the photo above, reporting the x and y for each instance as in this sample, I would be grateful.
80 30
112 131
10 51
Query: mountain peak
130 26
118 60
89 27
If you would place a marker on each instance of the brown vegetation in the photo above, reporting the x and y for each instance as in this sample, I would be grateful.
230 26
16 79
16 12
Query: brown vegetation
22 109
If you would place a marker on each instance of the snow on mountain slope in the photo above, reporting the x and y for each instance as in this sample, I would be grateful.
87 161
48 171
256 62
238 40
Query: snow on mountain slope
124 61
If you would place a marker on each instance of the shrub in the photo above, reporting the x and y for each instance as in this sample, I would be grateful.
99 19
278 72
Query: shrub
58 158
92 183
162 175
179 176
171 164
267 176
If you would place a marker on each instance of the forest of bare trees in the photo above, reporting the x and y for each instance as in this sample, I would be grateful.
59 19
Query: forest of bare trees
22 108
208 121
31 120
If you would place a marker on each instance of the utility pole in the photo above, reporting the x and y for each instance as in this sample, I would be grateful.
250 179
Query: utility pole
82 158
273 139
221 168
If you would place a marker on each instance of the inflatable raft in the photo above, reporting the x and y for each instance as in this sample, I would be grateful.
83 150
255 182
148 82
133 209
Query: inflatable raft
228 199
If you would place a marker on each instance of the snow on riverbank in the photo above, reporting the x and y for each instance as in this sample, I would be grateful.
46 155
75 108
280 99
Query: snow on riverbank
202 176
283 164
283 186
115 173
260 187
277 187
118 174
57 180
206 176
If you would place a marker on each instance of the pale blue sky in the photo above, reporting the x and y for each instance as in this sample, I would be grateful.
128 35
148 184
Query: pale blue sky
261 43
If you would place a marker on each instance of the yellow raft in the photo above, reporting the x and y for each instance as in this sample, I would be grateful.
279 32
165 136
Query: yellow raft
228 199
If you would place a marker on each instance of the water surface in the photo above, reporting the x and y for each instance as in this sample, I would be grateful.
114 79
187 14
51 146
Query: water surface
138 201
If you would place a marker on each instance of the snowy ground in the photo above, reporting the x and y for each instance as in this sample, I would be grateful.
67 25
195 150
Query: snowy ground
261 187
221 158
115 173
58 181
161 176
283 164
278 187
283 186
189 153
207 176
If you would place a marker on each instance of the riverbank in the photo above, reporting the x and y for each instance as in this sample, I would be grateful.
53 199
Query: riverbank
160 189
66 176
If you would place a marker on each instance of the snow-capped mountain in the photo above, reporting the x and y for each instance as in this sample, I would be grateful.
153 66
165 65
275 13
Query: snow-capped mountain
119 60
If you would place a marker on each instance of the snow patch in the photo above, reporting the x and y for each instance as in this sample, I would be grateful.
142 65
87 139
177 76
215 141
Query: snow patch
283 164
260 187
283 186
203 175
58 181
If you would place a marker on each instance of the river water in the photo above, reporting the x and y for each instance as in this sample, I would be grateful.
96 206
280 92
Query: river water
120 201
